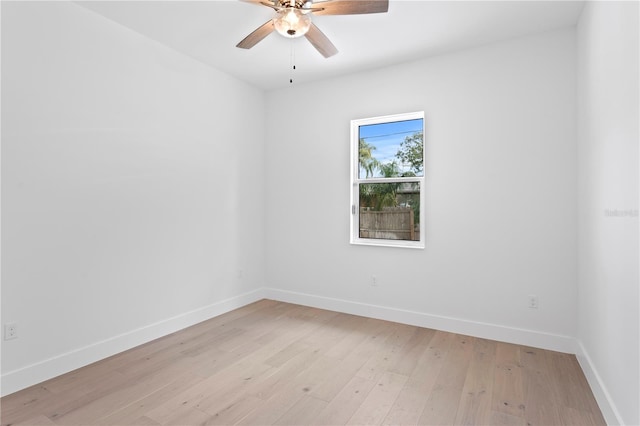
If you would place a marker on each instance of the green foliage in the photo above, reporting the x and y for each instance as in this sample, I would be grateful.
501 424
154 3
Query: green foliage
365 157
389 169
411 153
378 195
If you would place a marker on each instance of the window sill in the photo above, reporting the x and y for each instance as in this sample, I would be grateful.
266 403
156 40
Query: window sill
388 243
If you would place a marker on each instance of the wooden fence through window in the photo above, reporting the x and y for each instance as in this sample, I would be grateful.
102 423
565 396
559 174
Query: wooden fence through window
390 223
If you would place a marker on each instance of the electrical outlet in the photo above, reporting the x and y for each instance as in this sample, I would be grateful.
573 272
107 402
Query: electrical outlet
10 331
533 301
374 281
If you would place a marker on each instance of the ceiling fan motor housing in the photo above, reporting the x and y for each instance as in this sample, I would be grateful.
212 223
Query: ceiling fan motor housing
298 4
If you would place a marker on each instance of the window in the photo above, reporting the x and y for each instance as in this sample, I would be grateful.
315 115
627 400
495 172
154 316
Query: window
387 180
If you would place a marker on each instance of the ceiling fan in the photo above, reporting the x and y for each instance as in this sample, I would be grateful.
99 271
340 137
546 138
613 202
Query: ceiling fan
293 19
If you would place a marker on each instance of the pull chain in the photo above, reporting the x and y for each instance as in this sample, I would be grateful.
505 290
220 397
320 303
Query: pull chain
292 62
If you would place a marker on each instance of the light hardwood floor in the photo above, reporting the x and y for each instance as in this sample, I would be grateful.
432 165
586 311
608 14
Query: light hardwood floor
278 363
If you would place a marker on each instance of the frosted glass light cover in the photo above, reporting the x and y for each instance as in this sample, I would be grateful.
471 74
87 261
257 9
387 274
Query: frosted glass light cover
291 22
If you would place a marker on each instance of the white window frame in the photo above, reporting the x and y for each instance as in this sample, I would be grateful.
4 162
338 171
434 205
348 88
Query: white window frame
356 181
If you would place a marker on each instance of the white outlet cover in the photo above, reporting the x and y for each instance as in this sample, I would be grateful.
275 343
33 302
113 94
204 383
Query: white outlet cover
10 331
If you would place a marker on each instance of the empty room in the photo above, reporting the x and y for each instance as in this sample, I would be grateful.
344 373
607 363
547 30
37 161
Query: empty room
320 212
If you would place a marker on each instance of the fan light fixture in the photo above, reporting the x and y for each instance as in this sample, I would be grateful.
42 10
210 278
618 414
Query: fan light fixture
292 22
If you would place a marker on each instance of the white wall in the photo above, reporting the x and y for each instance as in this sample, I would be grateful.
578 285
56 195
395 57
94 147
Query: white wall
500 193
131 200
131 189
608 181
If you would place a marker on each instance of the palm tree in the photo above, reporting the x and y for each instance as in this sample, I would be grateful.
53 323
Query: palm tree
366 160
388 192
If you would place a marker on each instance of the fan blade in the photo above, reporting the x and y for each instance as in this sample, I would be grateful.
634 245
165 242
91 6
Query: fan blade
255 37
267 3
350 7
320 41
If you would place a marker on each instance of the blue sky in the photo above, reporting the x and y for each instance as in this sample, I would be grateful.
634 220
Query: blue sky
386 137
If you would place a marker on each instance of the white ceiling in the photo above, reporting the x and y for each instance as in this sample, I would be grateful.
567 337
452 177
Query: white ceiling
209 31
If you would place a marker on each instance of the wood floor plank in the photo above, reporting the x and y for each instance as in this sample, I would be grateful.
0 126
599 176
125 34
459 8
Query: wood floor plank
90 413
40 420
332 333
142 421
234 411
443 401
412 400
346 402
138 407
191 416
387 353
431 360
280 378
322 369
28 400
572 416
376 406
283 395
300 322
183 400
268 411
279 363
570 381
407 407
303 412
58 405
475 404
498 418
540 394
353 336
214 361
186 338
228 379
508 389
232 383
287 353
411 352
368 338
344 371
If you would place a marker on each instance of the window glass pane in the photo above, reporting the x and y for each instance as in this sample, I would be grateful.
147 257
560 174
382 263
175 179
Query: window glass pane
390 211
390 149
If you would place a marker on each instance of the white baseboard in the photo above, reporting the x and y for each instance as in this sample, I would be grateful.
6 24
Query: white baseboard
501 333
608 408
30 375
